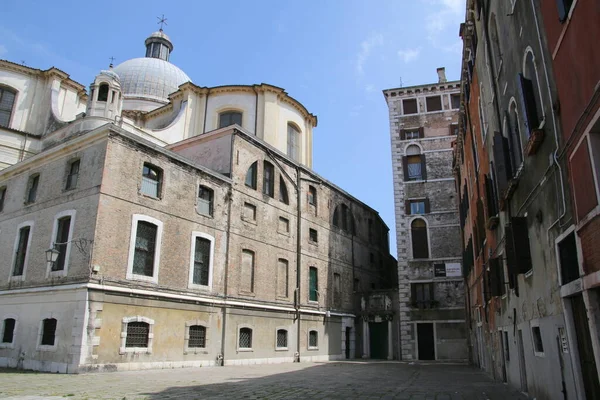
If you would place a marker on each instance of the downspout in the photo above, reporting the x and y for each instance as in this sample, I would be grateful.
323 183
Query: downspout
255 110
298 261
206 109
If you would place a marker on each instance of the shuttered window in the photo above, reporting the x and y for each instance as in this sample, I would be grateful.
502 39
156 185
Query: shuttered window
313 284
502 163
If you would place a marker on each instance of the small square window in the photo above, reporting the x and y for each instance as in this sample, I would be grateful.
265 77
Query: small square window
410 106
434 103
417 207
313 235
284 225
249 212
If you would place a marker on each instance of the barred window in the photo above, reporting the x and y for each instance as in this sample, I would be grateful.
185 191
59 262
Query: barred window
48 332
245 341
197 336
145 244
9 330
282 337
313 339
201 261
137 334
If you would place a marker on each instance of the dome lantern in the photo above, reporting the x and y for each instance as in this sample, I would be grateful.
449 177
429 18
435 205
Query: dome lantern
158 45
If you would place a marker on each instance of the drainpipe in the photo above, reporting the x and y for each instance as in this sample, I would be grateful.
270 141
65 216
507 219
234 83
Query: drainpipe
298 260
205 109
255 110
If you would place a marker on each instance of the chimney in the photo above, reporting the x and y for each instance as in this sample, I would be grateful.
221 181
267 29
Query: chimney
442 75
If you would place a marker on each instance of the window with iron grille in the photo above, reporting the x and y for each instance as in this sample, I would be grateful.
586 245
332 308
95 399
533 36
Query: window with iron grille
7 102
48 332
137 334
9 330
2 197
245 340
229 118
282 336
73 175
145 245
201 261
205 201
32 188
197 336
313 339
151 180
21 251
60 242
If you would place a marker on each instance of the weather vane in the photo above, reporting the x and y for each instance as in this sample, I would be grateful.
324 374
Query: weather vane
111 61
162 21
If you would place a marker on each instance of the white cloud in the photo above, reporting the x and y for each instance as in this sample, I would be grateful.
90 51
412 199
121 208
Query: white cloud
370 88
408 55
366 47
444 19
3 50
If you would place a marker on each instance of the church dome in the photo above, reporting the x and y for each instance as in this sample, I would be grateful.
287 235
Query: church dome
149 78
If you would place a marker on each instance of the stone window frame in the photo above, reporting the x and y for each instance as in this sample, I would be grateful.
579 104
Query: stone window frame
416 99
287 333
432 95
21 277
283 257
6 345
535 323
191 284
126 320
239 329
66 213
538 89
133 234
247 247
410 221
308 346
44 347
186 340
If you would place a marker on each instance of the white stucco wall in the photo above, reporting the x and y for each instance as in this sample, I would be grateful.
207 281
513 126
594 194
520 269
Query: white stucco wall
220 102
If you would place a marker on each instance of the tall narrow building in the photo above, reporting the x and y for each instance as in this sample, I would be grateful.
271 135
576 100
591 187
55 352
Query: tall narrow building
423 128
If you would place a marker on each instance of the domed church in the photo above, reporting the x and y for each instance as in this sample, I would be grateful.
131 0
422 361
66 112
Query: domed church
148 222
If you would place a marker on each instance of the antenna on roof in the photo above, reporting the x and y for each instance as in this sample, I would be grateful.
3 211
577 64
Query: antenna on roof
162 21
111 61
401 82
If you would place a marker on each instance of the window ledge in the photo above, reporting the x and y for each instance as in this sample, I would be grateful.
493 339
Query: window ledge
248 220
245 349
57 274
28 203
284 233
45 347
246 294
149 196
539 354
529 274
17 278
203 288
135 350
193 350
143 278
313 347
204 215
7 345
281 349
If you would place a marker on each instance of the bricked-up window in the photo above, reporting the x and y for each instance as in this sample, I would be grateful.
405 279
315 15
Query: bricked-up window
251 176
282 277
63 225
284 225
48 332
293 142
455 101
245 339
517 246
564 7
137 334
2 197
312 196
201 261
7 102
434 103
73 175
205 201
531 98
337 289
313 339
268 179
229 118
282 338
283 193
22 247
420 246
538 345
145 248
569 263
313 284
151 180
197 336
343 218
247 271
410 106
422 294
249 212
8 331
32 188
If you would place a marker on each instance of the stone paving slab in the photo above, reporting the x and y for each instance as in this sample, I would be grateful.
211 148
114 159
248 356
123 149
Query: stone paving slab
331 380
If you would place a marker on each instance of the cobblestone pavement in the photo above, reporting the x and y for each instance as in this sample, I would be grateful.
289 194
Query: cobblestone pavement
332 380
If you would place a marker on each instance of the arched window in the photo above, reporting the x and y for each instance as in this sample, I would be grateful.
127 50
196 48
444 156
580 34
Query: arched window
251 176
7 102
513 132
268 179
293 142
151 180
245 338
283 193
531 98
205 201
103 92
343 218
229 118
420 246
414 164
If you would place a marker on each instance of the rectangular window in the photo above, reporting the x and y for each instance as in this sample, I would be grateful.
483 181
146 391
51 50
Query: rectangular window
569 263
32 188
506 348
247 271
293 143
538 345
417 207
60 242
245 340
453 129
229 118
410 106
22 247
268 179
313 284
284 225
137 334
312 196
434 103
197 336
313 339
282 277
356 285
48 332
151 180
205 201
9 330
201 261
455 101
414 168
411 134
249 212
73 175
2 197
313 235
564 7
337 289
145 246
281 339
422 294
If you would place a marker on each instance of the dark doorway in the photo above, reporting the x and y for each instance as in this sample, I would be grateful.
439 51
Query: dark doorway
378 339
584 345
425 340
348 331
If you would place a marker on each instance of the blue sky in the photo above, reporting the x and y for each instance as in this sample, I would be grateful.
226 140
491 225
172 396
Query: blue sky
335 57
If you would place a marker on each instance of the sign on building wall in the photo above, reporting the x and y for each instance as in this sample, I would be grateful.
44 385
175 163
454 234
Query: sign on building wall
447 270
